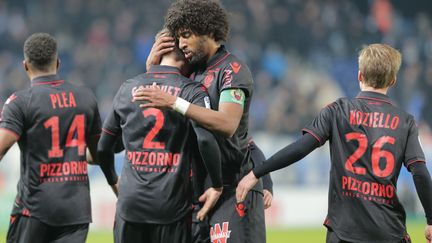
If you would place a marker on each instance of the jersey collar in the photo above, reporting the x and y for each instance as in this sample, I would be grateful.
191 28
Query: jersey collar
218 57
162 69
52 79
375 96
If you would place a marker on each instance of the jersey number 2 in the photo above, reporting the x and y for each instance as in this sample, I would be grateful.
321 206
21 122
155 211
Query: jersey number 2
377 154
77 127
148 140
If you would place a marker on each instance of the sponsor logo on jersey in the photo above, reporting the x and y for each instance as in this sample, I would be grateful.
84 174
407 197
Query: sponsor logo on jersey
240 208
208 80
235 67
227 78
218 234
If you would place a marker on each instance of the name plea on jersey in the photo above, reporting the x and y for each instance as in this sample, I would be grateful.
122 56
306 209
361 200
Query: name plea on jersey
373 119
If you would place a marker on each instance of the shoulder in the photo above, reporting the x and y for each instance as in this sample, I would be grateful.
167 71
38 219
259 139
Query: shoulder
236 65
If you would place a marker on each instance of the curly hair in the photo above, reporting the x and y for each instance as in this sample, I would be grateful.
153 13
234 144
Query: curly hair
40 50
202 17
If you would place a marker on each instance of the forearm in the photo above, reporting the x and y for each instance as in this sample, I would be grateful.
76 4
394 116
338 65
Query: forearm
423 184
267 182
288 155
213 120
106 158
210 154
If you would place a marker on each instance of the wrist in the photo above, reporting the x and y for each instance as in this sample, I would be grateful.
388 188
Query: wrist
180 105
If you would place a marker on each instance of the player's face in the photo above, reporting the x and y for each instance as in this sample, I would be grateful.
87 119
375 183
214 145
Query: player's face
194 47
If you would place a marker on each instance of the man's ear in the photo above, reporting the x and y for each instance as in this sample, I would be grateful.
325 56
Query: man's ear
393 82
25 65
58 63
360 76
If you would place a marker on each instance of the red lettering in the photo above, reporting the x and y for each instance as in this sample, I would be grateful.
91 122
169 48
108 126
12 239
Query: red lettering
365 188
66 168
380 124
145 155
160 159
389 191
374 191
386 124
394 123
53 101
72 102
375 119
176 159
137 157
344 181
365 120
168 159
64 99
359 117
352 119
73 166
152 158
43 169
60 105
381 190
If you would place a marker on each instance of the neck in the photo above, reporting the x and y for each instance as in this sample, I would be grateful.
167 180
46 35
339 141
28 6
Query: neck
171 62
213 46
36 74
371 89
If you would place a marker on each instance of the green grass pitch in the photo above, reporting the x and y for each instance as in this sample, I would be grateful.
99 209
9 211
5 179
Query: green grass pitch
301 235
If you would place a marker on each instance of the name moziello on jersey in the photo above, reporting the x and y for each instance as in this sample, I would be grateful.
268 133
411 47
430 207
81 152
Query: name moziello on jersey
373 119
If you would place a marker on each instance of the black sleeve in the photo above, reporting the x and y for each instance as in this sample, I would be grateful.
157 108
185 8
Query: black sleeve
288 155
96 123
210 153
106 157
258 158
423 184
12 117
321 126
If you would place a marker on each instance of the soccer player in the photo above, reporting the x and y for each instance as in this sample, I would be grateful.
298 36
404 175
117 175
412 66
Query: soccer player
154 195
53 122
201 27
370 139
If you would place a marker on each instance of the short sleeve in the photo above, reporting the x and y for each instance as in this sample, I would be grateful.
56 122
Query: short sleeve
111 125
237 76
321 126
12 117
96 123
413 150
198 95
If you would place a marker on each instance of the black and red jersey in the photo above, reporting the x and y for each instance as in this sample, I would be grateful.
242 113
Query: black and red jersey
370 139
160 146
225 71
53 120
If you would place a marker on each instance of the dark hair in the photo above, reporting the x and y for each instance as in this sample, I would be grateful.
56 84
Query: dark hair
202 17
40 50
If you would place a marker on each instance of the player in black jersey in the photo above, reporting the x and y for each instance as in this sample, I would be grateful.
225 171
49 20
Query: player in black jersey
154 195
201 27
53 122
370 139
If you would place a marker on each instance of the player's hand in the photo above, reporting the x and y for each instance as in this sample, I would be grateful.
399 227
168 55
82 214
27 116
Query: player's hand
268 198
155 98
245 185
428 234
209 198
162 45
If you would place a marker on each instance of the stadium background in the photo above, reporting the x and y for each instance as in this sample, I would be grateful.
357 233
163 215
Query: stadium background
302 54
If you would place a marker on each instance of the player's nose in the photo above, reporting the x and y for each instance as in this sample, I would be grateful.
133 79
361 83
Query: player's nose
182 43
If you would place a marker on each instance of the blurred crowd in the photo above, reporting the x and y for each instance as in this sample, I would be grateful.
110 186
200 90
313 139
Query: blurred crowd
303 53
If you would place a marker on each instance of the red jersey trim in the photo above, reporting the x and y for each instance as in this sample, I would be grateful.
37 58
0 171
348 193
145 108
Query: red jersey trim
57 82
414 161
313 134
375 99
108 132
219 61
10 132
164 73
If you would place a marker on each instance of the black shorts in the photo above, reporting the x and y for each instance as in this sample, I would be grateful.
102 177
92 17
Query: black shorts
128 232
243 223
23 229
200 229
333 238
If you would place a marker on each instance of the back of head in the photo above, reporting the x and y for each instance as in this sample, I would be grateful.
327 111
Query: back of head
40 51
176 53
379 65
202 17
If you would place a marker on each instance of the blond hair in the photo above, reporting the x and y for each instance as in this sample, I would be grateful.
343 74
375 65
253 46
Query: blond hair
379 65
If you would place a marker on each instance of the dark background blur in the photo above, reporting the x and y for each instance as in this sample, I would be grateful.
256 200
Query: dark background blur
303 54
